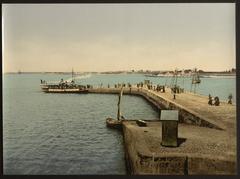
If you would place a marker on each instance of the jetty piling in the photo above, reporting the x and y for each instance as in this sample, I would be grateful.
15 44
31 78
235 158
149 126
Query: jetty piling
119 116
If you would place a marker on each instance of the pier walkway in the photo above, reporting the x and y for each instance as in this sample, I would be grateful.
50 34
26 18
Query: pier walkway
193 108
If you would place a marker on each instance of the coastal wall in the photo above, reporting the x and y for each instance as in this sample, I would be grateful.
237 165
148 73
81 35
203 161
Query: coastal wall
185 115
141 160
143 151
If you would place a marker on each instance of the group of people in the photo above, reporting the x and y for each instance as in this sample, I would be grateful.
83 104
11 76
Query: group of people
140 84
160 88
119 85
157 88
65 84
214 101
43 81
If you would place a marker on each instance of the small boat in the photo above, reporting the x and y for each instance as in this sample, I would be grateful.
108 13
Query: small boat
196 80
159 75
151 75
114 123
196 77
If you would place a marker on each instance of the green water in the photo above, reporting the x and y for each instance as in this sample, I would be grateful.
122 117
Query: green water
66 133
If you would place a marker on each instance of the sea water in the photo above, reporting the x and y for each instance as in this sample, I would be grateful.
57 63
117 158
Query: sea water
47 133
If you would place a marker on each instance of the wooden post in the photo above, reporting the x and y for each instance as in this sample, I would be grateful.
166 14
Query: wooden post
119 102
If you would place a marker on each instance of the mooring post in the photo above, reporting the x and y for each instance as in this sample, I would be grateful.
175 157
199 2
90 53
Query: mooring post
119 102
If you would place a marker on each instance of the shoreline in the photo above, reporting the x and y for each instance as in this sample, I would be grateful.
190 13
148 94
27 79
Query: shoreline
117 73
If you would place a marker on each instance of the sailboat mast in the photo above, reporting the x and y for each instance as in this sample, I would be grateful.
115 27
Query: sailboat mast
175 74
119 102
72 74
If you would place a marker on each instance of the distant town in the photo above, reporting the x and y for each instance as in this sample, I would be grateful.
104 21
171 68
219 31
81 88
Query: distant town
145 72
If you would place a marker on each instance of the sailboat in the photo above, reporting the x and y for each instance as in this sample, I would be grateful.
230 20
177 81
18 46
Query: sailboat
195 77
116 123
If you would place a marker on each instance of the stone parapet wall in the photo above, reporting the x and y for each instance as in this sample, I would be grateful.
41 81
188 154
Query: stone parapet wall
140 160
185 115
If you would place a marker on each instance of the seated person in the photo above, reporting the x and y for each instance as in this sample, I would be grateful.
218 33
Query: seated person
210 102
217 102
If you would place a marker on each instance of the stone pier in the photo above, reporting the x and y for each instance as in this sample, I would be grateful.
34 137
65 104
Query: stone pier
201 151
207 136
193 108
207 141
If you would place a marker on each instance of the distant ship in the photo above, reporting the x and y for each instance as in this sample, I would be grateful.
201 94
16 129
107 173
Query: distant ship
217 76
168 75
19 72
63 87
195 77
158 75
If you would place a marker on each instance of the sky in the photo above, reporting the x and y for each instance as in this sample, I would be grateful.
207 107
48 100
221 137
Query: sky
111 37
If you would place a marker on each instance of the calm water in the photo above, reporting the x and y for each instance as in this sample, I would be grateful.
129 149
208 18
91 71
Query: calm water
66 133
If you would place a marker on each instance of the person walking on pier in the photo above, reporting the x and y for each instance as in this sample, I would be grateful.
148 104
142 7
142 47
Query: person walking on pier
174 95
230 99
173 91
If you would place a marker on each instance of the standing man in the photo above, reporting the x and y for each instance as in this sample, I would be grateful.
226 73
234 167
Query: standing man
230 99
210 100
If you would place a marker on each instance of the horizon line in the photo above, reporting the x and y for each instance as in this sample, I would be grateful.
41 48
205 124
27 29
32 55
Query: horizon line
141 70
